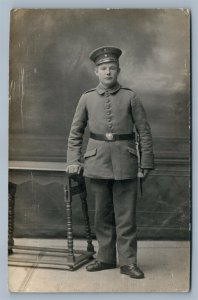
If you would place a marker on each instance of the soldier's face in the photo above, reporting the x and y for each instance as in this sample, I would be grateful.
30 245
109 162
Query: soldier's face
107 73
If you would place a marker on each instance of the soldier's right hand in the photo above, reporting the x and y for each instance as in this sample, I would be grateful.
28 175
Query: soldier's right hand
73 169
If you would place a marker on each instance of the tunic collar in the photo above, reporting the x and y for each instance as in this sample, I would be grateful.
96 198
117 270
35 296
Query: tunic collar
101 90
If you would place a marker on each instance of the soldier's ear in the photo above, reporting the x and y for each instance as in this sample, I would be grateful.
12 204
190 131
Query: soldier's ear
119 70
96 70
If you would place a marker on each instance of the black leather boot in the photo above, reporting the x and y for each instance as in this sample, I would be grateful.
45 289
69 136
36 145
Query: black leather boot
99 266
132 271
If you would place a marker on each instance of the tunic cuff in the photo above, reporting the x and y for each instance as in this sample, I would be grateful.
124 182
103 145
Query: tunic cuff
147 161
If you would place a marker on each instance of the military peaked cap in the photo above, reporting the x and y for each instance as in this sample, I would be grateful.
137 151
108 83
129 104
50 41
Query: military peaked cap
105 54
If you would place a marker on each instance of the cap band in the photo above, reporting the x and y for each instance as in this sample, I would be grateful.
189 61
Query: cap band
103 59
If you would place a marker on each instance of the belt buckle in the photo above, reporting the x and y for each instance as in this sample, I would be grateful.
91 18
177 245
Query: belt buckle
109 136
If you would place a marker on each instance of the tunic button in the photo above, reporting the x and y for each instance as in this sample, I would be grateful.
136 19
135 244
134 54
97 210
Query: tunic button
109 120
110 125
108 113
106 94
108 106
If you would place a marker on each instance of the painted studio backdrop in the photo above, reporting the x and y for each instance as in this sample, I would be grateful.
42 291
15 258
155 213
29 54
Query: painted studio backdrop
50 69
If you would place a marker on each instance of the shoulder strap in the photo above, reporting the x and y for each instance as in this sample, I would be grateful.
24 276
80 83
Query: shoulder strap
88 91
126 88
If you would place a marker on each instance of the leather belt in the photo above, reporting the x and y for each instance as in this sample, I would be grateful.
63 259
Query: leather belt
111 137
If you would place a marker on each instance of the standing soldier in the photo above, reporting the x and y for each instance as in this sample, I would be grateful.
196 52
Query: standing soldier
113 113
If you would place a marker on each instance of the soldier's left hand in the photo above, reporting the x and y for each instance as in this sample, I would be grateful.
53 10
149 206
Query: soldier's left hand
145 173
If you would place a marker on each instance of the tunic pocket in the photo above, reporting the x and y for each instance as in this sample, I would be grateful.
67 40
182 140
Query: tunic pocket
90 153
132 151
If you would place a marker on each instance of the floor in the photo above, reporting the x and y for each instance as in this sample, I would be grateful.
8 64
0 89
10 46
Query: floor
166 266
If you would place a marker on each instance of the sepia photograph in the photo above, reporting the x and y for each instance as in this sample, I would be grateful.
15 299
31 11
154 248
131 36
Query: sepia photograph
99 195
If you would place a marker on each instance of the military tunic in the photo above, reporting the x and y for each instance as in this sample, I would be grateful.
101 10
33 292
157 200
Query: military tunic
117 110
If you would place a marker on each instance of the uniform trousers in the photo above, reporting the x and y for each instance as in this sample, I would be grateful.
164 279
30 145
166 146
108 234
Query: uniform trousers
115 220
